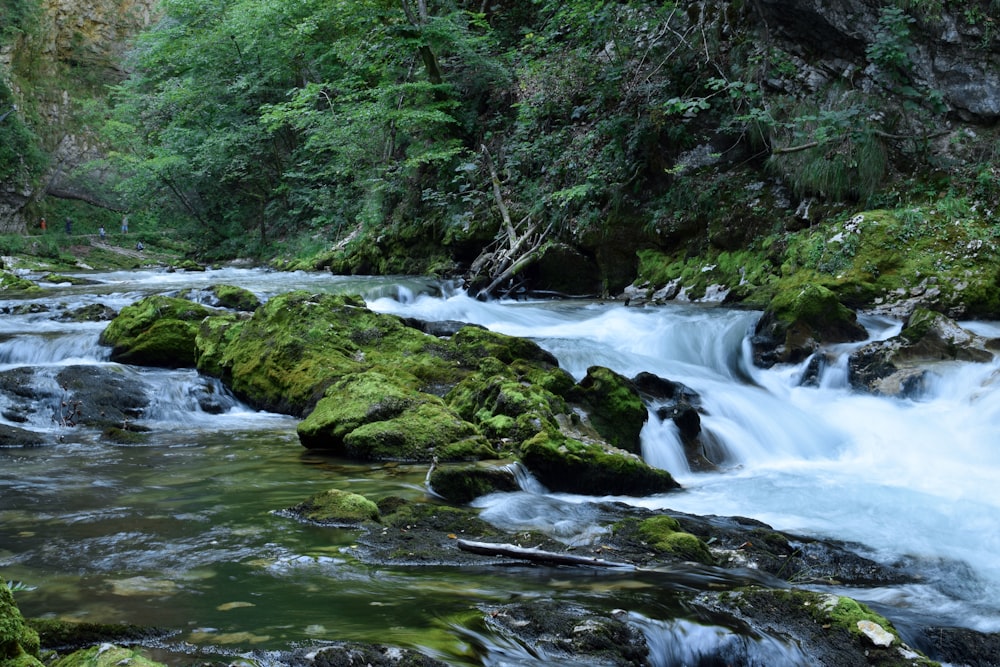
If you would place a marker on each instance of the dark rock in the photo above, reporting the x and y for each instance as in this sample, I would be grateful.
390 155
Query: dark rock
95 312
564 270
899 365
555 628
960 646
466 483
356 654
12 436
99 396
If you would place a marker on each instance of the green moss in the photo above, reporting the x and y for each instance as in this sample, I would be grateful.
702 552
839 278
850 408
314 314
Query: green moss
565 464
664 533
374 417
337 507
106 655
156 331
10 282
236 298
846 612
614 406
19 643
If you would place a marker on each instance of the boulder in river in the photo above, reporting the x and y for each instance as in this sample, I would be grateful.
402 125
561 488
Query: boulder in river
899 365
156 331
565 464
371 416
798 321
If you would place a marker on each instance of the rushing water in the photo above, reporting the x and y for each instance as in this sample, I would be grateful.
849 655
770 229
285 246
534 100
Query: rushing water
180 533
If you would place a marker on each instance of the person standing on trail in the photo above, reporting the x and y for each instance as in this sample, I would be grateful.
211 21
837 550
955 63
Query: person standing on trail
124 224
43 225
100 232
69 226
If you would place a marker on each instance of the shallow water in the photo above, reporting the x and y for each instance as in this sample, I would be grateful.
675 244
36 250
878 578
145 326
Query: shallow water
181 532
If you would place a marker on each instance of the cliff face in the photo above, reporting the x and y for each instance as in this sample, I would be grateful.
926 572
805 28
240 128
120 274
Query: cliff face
947 49
74 47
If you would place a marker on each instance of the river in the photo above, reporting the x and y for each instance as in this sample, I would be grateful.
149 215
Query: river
180 533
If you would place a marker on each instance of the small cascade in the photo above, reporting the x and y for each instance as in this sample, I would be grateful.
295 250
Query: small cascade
680 643
52 348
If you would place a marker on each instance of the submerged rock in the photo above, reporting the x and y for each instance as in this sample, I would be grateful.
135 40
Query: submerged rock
554 628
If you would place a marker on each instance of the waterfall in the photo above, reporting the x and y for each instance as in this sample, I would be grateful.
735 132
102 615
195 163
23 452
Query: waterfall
911 479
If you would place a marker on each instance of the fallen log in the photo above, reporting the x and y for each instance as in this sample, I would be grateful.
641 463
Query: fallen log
538 555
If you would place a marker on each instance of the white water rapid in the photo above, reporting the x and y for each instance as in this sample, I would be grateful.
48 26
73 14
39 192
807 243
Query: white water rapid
915 483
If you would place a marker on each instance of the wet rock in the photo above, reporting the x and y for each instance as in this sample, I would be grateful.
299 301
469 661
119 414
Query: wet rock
438 328
831 627
961 646
234 298
94 312
12 436
99 396
466 483
355 654
564 464
682 405
156 331
555 628
798 321
62 636
899 365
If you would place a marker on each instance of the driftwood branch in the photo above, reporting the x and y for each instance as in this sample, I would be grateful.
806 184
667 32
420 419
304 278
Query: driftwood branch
495 180
538 555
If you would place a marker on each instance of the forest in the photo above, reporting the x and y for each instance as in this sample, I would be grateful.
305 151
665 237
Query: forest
581 146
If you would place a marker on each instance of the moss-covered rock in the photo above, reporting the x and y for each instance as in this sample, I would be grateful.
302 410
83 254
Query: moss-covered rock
565 464
371 416
156 331
236 298
106 655
295 346
801 319
466 483
504 402
664 534
10 282
614 406
336 507
18 641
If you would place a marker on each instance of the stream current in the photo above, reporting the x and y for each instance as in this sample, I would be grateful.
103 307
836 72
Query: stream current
180 533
